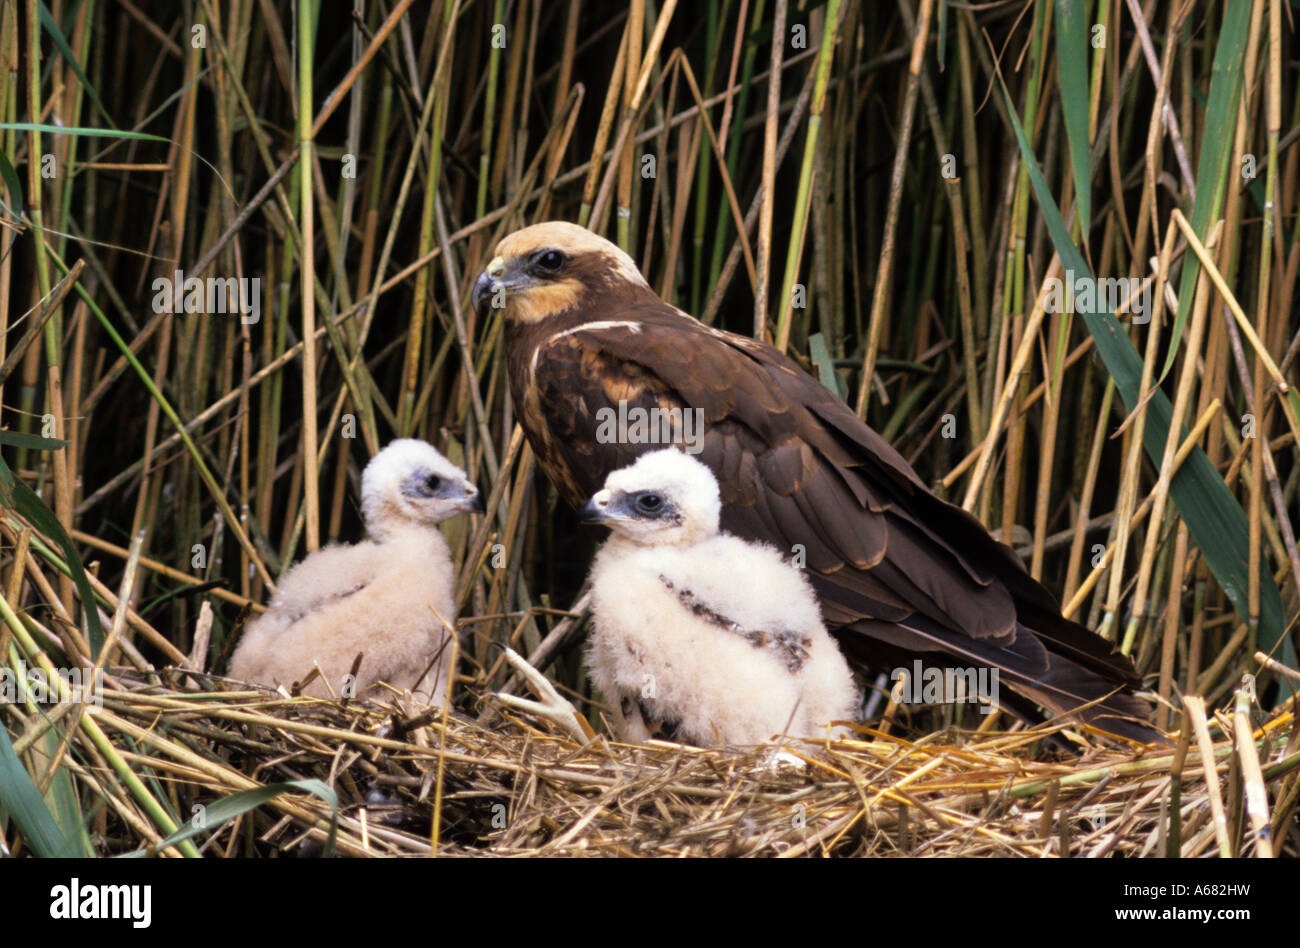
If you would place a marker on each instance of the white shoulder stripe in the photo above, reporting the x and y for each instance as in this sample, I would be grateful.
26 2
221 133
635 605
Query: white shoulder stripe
603 324
628 324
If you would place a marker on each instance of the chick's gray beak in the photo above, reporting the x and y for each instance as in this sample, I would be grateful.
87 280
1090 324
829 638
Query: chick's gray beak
596 510
467 497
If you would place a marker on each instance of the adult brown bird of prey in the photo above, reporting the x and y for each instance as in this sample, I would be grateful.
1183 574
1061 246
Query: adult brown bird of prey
601 370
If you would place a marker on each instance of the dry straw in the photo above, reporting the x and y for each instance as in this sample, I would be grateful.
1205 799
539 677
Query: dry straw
509 789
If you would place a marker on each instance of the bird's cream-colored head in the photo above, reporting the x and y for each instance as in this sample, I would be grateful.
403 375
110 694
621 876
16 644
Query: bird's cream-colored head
547 269
667 498
409 483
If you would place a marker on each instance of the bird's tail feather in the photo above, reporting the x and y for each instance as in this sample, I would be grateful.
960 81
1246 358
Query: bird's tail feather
1081 683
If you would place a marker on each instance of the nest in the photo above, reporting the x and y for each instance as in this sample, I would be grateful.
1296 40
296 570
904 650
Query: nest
410 785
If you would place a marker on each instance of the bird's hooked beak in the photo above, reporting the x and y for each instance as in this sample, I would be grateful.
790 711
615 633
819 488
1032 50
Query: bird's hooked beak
495 283
462 496
470 499
597 510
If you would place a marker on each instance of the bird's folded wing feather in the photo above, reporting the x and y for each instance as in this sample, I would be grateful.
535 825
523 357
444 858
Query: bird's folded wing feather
326 576
792 469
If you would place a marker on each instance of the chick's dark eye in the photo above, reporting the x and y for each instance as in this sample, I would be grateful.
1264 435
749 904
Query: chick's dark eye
550 261
649 503
432 482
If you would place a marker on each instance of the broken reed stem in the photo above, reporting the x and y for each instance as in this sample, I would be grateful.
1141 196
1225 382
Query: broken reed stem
1251 775
1194 712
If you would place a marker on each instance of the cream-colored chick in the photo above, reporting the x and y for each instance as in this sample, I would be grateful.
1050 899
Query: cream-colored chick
388 598
698 635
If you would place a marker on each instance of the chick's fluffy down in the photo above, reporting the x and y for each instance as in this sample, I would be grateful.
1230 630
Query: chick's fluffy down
387 601
683 666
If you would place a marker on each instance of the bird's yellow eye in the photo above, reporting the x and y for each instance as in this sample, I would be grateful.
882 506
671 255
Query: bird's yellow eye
549 261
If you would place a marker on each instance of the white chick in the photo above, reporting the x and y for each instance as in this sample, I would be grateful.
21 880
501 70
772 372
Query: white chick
388 598
699 636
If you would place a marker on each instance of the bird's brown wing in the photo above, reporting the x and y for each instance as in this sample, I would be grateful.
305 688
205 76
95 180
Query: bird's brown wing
890 562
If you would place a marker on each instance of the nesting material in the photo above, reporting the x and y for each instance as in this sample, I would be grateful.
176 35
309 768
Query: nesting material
513 790
699 636
388 599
